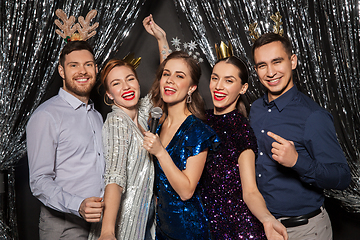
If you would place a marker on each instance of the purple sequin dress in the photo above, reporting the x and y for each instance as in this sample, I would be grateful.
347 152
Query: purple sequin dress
221 189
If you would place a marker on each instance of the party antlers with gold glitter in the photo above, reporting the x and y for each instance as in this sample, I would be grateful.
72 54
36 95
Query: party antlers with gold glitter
276 28
75 32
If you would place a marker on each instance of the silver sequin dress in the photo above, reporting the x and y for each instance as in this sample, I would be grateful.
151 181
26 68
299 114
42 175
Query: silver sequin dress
129 165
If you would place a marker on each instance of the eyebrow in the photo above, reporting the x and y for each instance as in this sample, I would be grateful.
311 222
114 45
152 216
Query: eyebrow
175 71
273 60
78 62
277 59
118 79
230 76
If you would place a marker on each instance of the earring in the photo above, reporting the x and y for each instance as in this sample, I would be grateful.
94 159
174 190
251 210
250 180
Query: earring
188 99
106 102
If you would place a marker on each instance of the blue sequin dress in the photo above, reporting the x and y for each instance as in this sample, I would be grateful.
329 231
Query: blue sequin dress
221 189
177 219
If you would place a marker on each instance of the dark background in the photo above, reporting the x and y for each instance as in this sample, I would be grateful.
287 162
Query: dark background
345 225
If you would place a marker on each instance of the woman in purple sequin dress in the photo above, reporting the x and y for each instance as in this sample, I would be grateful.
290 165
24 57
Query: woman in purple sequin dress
228 185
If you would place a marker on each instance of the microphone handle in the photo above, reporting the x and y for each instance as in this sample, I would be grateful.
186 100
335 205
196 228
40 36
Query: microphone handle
154 125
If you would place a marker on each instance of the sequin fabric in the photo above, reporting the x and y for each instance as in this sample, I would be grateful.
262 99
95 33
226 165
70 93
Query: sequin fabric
177 219
220 186
128 165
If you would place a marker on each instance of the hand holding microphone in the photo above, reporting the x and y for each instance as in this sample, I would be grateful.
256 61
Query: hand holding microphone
156 114
151 141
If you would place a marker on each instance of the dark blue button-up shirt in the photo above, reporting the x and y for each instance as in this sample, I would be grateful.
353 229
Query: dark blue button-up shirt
321 163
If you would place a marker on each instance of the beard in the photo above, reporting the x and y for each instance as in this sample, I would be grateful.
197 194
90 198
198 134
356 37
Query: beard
82 90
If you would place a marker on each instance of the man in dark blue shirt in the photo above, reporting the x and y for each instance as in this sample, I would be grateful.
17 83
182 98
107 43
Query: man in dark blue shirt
299 154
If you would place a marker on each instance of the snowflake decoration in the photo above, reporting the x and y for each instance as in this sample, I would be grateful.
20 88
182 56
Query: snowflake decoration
192 45
188 47
176 42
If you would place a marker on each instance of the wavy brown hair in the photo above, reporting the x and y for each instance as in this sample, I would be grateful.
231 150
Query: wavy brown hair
197 105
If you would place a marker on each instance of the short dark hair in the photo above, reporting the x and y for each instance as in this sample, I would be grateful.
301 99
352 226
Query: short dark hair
74 46
272 37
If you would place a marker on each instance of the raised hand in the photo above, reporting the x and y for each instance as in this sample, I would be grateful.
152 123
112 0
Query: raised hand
283 150
153 29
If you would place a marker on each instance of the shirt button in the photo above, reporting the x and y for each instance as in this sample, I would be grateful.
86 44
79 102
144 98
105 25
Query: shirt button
98 153
262 131
269 110
261 153
259 175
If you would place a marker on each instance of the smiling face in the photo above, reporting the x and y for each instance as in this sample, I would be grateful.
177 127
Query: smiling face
226 87
175 82
79 74
274 68
123 87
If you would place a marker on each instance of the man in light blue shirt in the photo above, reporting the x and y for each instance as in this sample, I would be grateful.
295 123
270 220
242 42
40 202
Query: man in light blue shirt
65 154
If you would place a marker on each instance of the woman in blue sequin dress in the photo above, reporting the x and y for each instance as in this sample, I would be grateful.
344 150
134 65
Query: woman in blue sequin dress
180 148
228 185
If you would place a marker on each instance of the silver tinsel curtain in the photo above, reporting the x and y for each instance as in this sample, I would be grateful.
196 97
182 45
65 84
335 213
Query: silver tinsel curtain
325 36
30 49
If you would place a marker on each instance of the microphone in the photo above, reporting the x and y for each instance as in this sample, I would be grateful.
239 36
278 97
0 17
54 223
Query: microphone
156 114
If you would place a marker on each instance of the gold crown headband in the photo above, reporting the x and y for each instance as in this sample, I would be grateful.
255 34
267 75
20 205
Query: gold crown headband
67 29
276 28
130 58
223 51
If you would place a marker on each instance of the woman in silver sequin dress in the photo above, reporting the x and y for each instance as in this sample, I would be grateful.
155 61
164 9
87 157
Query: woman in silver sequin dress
129 175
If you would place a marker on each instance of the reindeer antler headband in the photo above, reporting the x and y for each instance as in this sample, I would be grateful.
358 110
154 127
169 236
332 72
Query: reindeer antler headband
276 27
83 28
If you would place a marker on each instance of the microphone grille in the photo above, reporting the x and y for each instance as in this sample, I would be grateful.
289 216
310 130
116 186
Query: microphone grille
156 112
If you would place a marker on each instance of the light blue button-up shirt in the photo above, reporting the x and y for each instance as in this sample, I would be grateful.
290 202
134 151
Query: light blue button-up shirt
65 153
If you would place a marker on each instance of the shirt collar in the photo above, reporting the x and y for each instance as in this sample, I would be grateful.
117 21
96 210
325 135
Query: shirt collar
73 101
283 100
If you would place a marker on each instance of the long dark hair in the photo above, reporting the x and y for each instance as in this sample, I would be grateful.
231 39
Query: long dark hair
242 103
197 105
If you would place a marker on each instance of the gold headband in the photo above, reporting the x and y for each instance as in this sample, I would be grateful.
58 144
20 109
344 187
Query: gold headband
223 51
130 58
276 28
